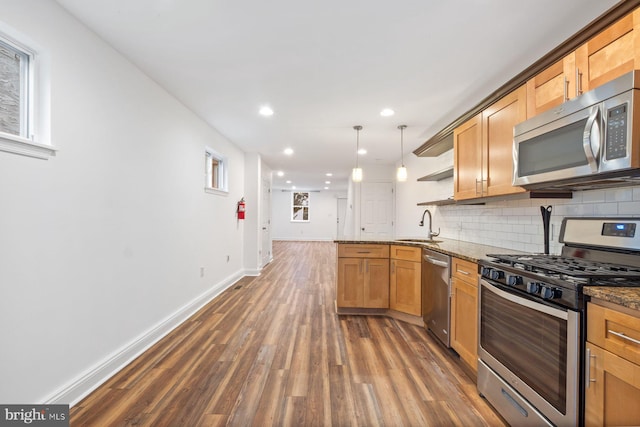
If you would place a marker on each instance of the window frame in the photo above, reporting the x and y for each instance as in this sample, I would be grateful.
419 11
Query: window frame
222 173
35 138
304 205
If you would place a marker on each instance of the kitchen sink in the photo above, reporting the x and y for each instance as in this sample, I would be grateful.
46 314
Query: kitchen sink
419 240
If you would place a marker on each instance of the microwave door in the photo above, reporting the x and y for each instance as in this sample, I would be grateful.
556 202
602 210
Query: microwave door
556 150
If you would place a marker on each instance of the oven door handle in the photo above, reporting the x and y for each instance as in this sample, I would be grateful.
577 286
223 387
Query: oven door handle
560 314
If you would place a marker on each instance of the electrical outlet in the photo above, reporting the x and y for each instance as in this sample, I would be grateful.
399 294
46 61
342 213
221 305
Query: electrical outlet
228 258
201 271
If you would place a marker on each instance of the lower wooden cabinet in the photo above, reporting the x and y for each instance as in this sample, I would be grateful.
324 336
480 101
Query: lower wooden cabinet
612 367
464 310
613 390
405 287
405 282
363 282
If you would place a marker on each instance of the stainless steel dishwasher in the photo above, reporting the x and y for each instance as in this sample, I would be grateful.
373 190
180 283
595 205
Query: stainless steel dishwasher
436 274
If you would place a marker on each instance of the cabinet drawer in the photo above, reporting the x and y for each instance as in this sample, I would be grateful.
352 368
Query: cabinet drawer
407 253
466 271
363 251
614 331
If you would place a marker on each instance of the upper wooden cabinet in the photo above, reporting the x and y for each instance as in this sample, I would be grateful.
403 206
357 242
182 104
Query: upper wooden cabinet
467 159
483 147
611 53
553 86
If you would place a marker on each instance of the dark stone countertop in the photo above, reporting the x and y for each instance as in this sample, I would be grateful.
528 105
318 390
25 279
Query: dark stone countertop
626 297
464 250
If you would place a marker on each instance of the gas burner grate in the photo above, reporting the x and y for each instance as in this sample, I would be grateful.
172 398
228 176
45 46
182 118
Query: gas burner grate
568 267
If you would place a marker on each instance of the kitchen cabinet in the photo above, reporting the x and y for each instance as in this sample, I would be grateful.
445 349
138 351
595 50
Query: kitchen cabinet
483 147
467 159
611 53
612 367
405 284
363 276
553 86
464 310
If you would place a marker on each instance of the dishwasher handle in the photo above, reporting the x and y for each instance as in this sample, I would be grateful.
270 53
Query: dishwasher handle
436 261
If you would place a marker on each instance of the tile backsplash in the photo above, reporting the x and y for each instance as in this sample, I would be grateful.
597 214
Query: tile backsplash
517 224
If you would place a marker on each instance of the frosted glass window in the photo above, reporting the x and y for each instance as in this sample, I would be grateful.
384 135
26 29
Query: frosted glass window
14 90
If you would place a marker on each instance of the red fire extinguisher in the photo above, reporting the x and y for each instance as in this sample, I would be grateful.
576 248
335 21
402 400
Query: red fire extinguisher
241 208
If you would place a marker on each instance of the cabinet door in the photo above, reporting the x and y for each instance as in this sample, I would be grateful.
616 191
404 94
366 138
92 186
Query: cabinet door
464 321
610 54
376 283
467 159
552 87
350 290
405 287
498 121
612 389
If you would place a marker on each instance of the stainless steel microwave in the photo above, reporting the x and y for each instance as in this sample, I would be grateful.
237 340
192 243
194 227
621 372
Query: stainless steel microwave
591 141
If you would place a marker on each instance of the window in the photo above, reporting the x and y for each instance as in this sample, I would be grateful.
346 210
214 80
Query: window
14 90
300 207
215 172
24 96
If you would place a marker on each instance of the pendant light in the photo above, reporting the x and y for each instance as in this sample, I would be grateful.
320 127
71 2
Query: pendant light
356 174
401 175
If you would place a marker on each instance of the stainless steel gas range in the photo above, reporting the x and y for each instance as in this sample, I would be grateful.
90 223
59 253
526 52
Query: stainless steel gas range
532 319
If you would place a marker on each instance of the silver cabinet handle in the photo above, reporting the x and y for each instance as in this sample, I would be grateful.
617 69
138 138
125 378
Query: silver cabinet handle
578 82
566 88
587 368
466 273
624 337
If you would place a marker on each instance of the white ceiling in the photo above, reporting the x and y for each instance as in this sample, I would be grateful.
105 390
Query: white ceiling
326 65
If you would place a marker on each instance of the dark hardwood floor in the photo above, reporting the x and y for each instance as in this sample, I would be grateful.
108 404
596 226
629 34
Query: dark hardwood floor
271 351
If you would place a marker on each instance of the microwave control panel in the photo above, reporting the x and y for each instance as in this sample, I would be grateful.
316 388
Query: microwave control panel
616 142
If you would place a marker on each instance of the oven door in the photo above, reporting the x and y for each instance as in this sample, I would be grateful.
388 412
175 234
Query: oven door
532 347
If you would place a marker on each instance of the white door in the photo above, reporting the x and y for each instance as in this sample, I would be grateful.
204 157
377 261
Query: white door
376 214
341 217
265 217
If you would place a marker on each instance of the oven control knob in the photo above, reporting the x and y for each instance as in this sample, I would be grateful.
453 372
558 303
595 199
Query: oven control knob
514 280
497 274
550 293
533 287
486 272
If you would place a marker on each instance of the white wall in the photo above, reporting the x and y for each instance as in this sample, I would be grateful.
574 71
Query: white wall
323 208
514 223
103 243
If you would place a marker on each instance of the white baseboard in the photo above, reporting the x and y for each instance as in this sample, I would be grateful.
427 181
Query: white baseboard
85 383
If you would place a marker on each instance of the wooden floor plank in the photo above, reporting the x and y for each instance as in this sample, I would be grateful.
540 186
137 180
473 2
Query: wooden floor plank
271 351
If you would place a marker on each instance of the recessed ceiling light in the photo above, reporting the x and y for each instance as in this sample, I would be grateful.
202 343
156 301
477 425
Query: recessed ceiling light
326 188
362 151
387 112
288 151
293 187
329 174
327 182
288 181
266 111
280 173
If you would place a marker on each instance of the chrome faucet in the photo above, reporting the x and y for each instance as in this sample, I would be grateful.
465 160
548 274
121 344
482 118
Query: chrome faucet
430 233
